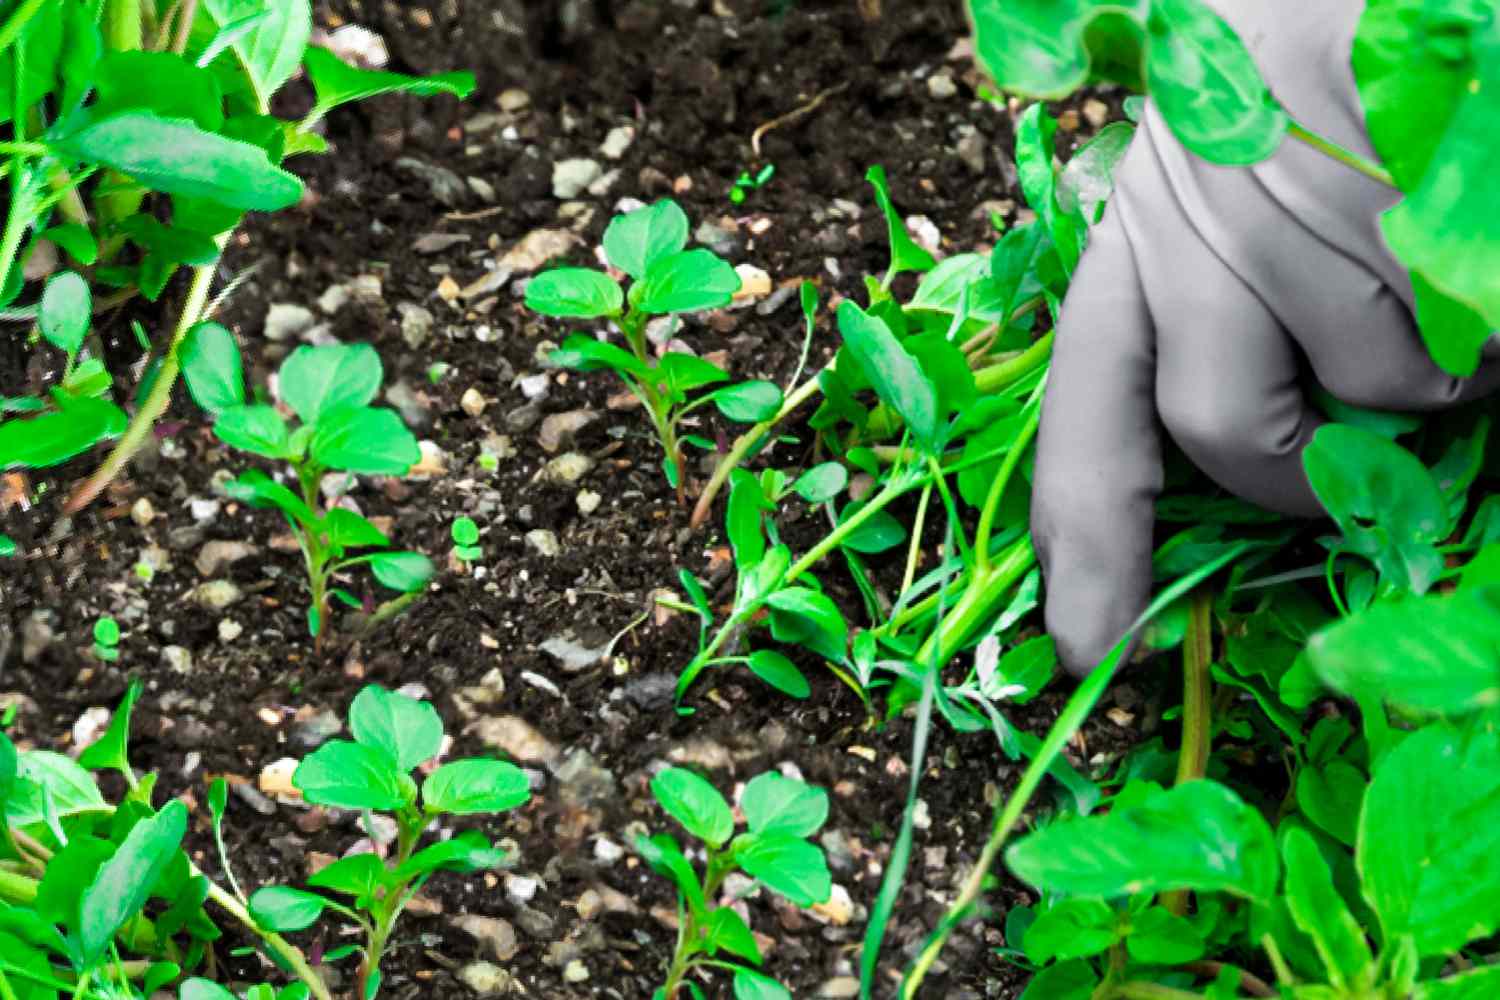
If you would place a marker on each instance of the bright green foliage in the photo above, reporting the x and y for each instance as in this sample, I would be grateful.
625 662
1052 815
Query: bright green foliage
465 535
781 814
329 389
107 639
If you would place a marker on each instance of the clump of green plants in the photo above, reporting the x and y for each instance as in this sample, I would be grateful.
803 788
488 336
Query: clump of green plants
329 389
648 245
393 734
781 814
465 535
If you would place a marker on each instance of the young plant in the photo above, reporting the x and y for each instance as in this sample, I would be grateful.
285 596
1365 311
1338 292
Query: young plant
744 183
781 814
107 639
648 246
393 735
329 389
465 534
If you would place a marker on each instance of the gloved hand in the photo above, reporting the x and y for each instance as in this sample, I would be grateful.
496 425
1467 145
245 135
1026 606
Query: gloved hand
1204 293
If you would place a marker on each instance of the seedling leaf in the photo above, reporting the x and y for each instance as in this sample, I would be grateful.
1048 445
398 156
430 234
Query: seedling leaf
694 803
470 787
405 729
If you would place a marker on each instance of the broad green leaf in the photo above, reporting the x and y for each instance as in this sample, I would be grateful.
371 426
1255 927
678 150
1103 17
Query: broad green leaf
1384 500
1072 928
76 239
749 402
694 803
7 546
636 240
123 883
1048 48
1088 178
752 985
1074 980
72 870
212 367
163 83
689 281
255 428
318 382
1199 835
472 787
879 532
77 57
785 864
583 353
1207 87
895 374
779 672
203 989
1429 838
468 851
370 440
53 438
270 51
665 858
906 255
407 572
1436 653
775 804
358 875
177 157
1160 937
112 750
1475 984
348 530
1035 135
42 46
742 520
408 730
808 618
822 482
71 789
348 775
1021 673
947 369
1323 916
942 289
1330 795
724 930
336 82
172 244
66 311
682 373
257 489
575 292
282 909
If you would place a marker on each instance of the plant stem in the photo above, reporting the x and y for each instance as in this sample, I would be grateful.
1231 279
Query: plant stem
992 500
185 15
287 951
122 25
1197 711
17 22
998 376
915 549
19 889
1152 991
894 487
23 148
1334 151
161 393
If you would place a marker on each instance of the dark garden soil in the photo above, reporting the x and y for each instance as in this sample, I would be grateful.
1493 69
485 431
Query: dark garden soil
420 202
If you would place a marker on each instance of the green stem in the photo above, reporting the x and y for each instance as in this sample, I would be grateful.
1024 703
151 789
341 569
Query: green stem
915 549
1152 991
896 486
1334 151
992 500
23 148
980 599
17 22
1197 711
288 952
122 25
185 15
161 393
17 889
996 377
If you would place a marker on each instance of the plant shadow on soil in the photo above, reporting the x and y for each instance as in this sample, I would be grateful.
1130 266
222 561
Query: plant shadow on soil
694 85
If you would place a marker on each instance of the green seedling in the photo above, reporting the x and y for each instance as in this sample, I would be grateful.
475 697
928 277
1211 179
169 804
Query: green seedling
648 245
775 851
744 183
107 639
329 389
437 371
393 735
488 461
466 539
7 546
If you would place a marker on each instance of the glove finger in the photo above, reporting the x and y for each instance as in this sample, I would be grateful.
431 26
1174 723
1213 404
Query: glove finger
1098 464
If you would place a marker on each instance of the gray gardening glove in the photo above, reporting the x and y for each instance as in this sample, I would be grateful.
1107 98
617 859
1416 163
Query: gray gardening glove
1205 293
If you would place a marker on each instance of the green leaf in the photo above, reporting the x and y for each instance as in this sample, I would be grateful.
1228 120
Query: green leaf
575 292
1475 984
1384 500
336 82
66 311
371 440
906 255
1199 836
177 157
1330 795
1088 178
255 428
407 572
689 281
775 804
171 244
42 47
1436 654
464 531
665 858
1047 48
112 750
806 617
749 402
1323 916
72 870
203 989
682 373
742 520
583 353
212 367
895 374
637 240
695 804
7 549
55 437
70 788
785 864
724 930
1035 150
282 909
1429 838
124 882
822 482
407 730
257 489
472 787
347 530
468 851
320 381
269 52
163 83
879 532
1160 937
77 240
348 775
1072 928
358 875
752 985
1073 980
9 764
78 56
779 672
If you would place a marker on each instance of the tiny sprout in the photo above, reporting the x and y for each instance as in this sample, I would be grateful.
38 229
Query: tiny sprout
8 716
436 371
144 571
7 546
488 461
744 183
466 539
107 639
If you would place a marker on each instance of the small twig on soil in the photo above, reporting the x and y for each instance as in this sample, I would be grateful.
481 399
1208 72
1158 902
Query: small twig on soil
793 115
483 213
